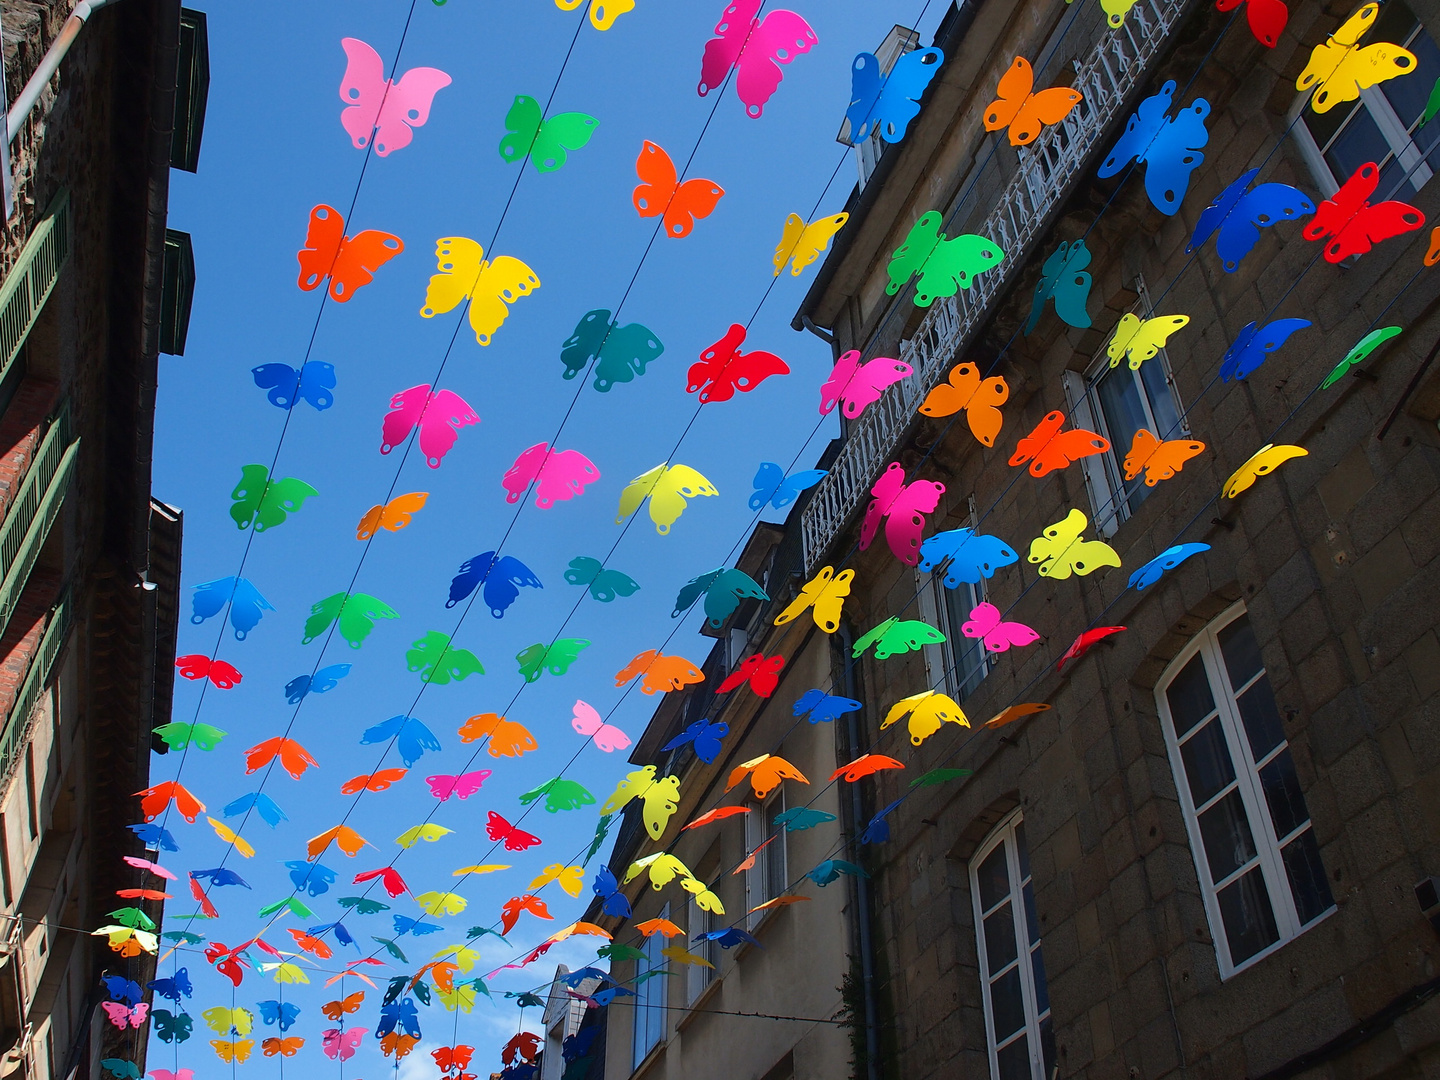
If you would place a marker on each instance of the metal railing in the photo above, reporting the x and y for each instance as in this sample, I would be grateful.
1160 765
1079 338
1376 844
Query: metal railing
26 288
28 523
17 722
1046 174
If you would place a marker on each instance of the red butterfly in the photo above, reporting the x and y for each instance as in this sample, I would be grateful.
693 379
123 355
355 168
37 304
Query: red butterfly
452 1059
1267 18
389 877
1052 448
376 781
723 368
348 261
206 907
761 672
226 960
199 666
525 1045
515 839
510 911
1082 644
1355 224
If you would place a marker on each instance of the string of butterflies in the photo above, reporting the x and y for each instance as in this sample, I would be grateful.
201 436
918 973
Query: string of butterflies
1138 333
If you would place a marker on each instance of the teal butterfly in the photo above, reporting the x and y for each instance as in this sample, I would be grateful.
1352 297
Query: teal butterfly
723 590
1065 280
437 662
560 794
264 501
362 905
546 141
799 818
356 614
604 584
945 265
622 351
898 636
556 659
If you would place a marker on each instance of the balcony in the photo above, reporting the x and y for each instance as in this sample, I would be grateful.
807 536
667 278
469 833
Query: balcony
33 512
35 652
1047 174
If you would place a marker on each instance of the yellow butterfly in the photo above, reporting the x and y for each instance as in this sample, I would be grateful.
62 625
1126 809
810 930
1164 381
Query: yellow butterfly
927 711
667 486
682 955
801 244
705 900
1060 551
1141 340
825 595
462 998
569 878
465 957
442 903
429 832
128 941
230 836
662 867
1342 70
603 14
286 973
482 868
1265 460
220 1020
634 784
239 1050
488 284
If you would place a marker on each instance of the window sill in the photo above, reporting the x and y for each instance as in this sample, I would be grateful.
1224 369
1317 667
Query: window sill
703 997
648 1061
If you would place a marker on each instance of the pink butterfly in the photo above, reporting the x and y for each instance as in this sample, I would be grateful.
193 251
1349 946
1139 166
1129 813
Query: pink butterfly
342 1044
902 505
462 786
122 1015
985 623
756 48
608 737
146 864
558 475
376 104
440 416
860 385
179 1074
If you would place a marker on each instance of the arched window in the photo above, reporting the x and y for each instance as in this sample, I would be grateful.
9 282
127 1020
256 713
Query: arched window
1012 973
1255 852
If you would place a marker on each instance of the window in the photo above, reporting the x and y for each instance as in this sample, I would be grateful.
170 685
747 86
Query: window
957 665
1383 126
1117 402
1255 851
698 976
1012 973
766 878
649 997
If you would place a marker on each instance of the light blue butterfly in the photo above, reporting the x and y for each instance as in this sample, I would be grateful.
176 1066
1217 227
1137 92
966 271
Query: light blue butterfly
247 606
971 555
885 104
1168 559
773 486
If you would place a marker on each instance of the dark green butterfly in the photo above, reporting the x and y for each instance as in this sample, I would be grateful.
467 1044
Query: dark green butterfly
556 659
560 794
438 663
264 501
356 614
391 948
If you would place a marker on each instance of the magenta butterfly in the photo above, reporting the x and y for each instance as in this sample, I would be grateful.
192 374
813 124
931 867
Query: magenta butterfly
902 506
376 105
146 864
859 385
755 48
123 1016
166 1074
462 786
985 623
607 737
439 415
342 1044
557 475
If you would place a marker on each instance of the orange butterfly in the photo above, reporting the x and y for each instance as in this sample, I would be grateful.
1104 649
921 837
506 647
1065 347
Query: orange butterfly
765 772
394 515
651 927
294 758
1160 460
511 909
348 261
980 398
284 1047
142 894
507 738
398 1044
342 836
376 781
1026 113
334 1010
1015 712
749 861
442 972
865 765
312 944
720 813
661 672
1052 448
154 800
660 192
239 1050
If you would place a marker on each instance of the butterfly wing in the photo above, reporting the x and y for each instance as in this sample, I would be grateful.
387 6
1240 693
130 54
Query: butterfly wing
1174 154
405 410
362 88
1169 458
870 380
1379 221
360 256
885 491
768 480
407 106
281 380
459 261
508 573
1071 289
866 86
446 413
1263 207
1224 204
324 237
522 125
658 181
777 39
912 256
900 94
558 135
317 379
954 394
1150 337
1046 108
624 355
803 246
906 520
672 488
1141 129
1360 69
502 281
953 265
723 50
791 487
692 200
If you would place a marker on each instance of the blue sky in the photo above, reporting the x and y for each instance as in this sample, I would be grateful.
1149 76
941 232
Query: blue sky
274 148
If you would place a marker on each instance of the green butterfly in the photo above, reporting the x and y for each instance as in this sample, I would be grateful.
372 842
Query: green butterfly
481 931
179 736
940 776
362 905
437 662
134 918
898 636
546 141
623 352
356 613
556 659
559 794
264 501
294 906
618 952
602 830
1360 353
391 948
651 974
944 265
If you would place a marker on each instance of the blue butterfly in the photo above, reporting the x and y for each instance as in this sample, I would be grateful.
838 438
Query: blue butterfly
400 1013
521 1070
220 875
604 584
175 987
247 606
312 877
1251 346
610 993
578 1045
325 679
728 938
723 590
773 486
1241 214
1065 280
283 1013
342 935
313 383
971 555
831 869
266 807
1168 147
412 738
878 831
612 900
122 989
501 577
822 707
153 836
706 736
576 977
885 105
406 925
1168 559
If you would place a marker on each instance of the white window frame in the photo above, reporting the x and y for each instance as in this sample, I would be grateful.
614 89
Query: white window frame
698 977
1247 781
758 886
1004 833
943 667
1105 473
649 1013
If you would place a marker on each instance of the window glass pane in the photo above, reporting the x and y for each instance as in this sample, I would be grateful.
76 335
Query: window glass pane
1247 915
968 654
1042 991
1014 1060
1241 651
999 938
1119 396
1323 126
1226 834
1283 794
1358 142
773 878
1307 876
1208 767
1162 401
1261 718
1189 696
993 877
1007 1008
1408 95
1031 923
1022 850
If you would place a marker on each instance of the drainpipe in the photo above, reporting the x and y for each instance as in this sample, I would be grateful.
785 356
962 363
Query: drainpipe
15 118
